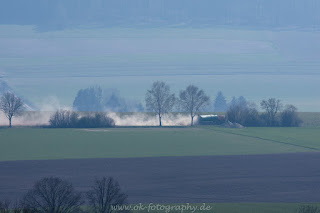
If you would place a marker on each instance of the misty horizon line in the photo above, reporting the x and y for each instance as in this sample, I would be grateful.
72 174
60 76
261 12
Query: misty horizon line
48 15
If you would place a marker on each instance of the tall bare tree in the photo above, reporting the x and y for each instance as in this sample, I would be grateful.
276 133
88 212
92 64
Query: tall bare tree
105 194
192 99
52 195
159 99
272 106
11 105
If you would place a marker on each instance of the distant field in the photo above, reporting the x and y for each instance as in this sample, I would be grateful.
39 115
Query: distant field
310 118
36 144
48 68
302 137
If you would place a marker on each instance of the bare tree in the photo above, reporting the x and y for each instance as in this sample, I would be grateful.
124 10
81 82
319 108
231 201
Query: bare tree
159 99
11 105
105 194
52 195
272 107
192 100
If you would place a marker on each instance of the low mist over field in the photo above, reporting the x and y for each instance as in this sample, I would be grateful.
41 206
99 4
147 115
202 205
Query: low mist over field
132 119
254 63
256 48
142 119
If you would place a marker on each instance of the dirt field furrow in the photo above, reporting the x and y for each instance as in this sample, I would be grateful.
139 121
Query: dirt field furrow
255 178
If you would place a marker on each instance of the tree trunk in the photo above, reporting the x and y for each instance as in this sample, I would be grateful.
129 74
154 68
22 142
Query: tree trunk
160 120
191 120
10 122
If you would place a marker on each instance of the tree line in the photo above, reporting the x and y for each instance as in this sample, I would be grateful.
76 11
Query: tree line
71 119
160 100
192 100
275 114
56 195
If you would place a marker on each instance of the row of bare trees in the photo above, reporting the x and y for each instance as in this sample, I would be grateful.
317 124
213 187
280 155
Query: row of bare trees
55 195
275 114
160 100
192 100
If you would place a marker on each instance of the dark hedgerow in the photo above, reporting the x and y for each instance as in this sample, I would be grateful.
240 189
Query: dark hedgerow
64 119
69 119
98 120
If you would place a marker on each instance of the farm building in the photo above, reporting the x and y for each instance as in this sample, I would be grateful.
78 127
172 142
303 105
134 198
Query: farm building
211 119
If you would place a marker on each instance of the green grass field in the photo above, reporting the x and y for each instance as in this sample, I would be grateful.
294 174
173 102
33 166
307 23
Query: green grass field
37 143
245 208
40 143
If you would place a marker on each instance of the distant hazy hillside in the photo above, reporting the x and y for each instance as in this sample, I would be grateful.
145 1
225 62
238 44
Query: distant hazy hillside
253 13
4 87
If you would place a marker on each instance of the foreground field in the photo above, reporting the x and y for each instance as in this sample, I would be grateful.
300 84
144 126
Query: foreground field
265 170
276 178
37 144
248 207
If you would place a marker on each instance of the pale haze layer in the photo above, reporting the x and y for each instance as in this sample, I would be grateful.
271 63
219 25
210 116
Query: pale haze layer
258 49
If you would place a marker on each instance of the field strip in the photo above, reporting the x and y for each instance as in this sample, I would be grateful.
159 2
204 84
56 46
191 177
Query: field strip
265 139
213 179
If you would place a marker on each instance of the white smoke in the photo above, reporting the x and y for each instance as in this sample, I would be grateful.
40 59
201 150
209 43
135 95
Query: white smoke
144 119
40 118
51 104
35 118
27 119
